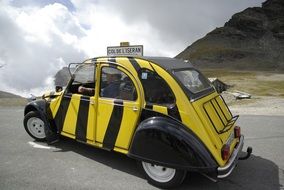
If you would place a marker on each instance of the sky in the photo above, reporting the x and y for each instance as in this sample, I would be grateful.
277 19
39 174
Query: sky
39 37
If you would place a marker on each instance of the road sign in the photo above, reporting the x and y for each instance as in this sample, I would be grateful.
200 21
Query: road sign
125 50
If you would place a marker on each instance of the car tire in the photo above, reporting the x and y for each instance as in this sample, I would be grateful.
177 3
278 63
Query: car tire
34 125
160 176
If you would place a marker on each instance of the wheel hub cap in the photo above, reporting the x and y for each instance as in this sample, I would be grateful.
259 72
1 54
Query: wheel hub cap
36 127
159 173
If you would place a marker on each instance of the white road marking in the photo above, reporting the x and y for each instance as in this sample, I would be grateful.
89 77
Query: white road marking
35 145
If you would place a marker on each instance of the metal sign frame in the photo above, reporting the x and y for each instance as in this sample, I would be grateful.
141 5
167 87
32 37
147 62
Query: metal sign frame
136 50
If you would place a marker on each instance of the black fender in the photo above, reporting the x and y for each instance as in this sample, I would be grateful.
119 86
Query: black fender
37 105
41 106
167 142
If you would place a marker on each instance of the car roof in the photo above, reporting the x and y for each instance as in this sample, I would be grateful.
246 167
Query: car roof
169 63
166 63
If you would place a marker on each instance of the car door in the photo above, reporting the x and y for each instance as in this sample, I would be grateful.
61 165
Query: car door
76 114
118 109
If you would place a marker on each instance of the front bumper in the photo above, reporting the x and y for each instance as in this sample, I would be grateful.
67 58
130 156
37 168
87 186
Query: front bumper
232 162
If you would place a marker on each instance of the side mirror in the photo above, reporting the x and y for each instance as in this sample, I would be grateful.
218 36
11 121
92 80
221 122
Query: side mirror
58 88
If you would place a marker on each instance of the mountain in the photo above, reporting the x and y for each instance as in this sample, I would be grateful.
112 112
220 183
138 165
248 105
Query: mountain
251 40
62 77
8 95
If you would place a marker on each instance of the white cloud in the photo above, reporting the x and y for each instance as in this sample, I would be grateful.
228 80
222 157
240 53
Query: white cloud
35 44
39 37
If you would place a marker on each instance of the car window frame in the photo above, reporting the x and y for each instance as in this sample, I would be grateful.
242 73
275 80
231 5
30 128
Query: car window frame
165 82
193 96
121 69
72 79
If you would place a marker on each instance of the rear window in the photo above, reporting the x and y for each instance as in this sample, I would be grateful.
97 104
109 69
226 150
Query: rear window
193 80
156 89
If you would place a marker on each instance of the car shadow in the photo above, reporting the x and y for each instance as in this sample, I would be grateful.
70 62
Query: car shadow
254 173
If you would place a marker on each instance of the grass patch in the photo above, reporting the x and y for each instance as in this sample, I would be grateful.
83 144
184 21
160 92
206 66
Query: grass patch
257 83
7 102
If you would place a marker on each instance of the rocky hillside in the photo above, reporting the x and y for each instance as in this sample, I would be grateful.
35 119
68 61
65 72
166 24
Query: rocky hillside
252 39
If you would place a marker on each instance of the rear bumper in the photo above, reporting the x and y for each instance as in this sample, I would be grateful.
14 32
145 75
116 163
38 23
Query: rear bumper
232 162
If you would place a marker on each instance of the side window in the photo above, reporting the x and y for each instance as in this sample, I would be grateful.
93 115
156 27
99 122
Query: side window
83 80
116 84
156 90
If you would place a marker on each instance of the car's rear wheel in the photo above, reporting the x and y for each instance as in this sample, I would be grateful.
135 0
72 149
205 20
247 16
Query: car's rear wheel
161 176
34 126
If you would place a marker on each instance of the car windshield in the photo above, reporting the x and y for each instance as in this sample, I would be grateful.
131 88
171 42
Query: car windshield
193 80
84 73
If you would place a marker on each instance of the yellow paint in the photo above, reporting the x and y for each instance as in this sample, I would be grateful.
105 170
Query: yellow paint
124 62
69 125
105 107
67 135
160 109
223 107
219 111
214 116
190 114
218 140
91 120
128 124
144 64
123 151
54 105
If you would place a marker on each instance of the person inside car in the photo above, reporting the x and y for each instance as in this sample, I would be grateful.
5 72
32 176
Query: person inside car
113 80
111 90
86 91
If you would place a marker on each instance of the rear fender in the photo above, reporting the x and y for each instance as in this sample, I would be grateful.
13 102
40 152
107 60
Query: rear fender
167 142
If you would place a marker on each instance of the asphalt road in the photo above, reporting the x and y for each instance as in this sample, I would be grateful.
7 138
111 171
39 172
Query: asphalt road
25 164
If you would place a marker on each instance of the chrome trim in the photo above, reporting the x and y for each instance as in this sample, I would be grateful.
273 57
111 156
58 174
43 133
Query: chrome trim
228 168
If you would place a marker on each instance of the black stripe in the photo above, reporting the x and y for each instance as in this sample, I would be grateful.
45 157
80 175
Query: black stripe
148 106
147 113
117 101
82 119
134 64
174 112
61 113
113 127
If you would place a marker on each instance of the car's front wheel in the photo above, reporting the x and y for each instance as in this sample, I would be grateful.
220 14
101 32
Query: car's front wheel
161 176
34 126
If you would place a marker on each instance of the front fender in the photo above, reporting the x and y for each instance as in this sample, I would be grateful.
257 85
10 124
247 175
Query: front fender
37 105
41 107
169 143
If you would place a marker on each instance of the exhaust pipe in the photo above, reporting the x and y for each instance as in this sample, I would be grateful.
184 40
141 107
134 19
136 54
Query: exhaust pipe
249 151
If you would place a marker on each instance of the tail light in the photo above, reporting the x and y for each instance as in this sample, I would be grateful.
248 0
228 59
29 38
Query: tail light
237 131
225 152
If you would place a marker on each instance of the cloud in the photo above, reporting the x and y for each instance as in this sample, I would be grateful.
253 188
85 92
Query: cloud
38 37
181 22
35 44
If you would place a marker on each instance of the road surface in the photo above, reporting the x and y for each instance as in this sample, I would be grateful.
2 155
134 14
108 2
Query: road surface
25 164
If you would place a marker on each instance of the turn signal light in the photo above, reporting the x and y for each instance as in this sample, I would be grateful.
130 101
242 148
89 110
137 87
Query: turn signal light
237 131
225 152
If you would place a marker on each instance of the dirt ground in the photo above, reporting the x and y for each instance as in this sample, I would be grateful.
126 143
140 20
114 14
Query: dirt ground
265 87
257 105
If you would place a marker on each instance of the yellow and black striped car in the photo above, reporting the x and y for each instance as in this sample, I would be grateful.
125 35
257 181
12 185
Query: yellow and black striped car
160 111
